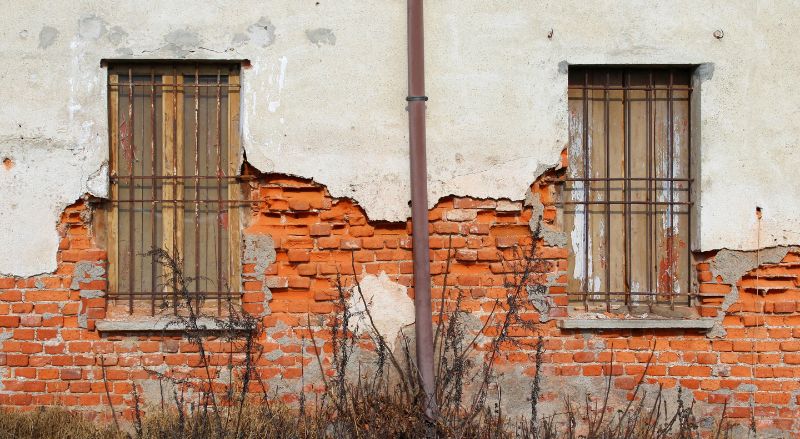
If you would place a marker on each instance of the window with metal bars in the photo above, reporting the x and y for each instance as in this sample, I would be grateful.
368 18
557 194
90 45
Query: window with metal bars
174 150
628 196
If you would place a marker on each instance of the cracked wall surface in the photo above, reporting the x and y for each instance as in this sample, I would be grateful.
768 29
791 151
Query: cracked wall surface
327 84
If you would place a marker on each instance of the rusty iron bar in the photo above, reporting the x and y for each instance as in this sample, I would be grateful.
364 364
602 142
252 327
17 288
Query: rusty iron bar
131 131
613 87
621 293
671 241
176 252
650 94
219 190
607 199
169 86
652 203
153 233
210 200
627 238
423 324
689 264
197 181
188 177
626 179
586 160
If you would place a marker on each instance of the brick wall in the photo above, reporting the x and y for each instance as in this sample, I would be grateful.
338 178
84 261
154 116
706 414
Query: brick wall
52 354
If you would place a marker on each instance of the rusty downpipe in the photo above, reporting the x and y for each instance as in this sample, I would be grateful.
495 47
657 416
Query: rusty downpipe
423 326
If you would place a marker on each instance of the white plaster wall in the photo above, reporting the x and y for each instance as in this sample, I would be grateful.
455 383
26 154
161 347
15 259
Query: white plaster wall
332 109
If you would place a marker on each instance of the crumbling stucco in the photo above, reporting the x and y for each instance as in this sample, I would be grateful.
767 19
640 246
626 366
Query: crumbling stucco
259 250
497 117
388 303
731 265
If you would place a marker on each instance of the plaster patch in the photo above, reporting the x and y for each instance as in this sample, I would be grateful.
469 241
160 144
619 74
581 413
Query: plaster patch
321 36
47 36
84 272
117 35
387 302
92 27
262 32
550 235
258 250
537 295
182 41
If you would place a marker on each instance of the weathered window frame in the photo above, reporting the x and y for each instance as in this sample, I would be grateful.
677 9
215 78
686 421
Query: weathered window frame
584 93
173 145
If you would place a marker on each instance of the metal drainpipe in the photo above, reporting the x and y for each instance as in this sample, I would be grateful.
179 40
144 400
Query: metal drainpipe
423 325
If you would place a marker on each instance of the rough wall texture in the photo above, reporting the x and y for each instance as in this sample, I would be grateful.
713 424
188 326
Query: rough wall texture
298 239
327 85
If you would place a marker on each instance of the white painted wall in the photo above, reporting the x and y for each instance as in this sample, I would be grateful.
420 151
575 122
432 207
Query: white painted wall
329 105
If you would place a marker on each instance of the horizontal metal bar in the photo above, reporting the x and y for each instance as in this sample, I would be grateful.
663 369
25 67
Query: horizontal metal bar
201 201
182 177
170 293
628 179
630 87
174 86
636 293
673 99
628 203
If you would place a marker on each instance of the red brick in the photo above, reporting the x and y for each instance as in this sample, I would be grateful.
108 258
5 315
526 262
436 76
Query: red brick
9 321
299 255
320 229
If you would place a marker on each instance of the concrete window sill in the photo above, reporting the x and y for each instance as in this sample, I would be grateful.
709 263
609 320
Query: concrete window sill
601 324
162 324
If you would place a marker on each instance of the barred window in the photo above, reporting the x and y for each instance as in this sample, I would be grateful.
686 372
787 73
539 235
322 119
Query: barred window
627 199
174 152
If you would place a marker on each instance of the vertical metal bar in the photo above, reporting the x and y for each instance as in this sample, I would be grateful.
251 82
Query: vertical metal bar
197 182
626 156
671 164
219 194
649 199
153 183
689 197
585 184
175 146
132 208
607 127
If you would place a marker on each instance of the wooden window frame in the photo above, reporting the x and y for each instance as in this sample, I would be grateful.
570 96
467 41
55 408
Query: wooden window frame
667 91
173 146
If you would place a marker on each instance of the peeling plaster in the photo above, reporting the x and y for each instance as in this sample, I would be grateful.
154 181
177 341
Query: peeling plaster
497 117
388 303
86 271
260 251
730 266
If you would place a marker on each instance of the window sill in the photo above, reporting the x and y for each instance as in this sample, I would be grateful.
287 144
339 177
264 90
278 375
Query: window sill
601 324
159 324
